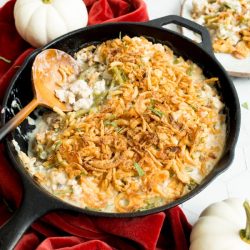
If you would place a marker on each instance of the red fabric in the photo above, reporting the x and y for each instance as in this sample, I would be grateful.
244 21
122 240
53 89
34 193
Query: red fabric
116 11
67 231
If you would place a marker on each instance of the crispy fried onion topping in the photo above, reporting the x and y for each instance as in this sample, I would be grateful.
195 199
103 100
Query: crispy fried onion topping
158 133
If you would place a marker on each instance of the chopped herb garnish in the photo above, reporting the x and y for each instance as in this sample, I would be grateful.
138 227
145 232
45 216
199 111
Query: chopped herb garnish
153 202
52 165
190 70
192 184
226 5
80 113
245 105
119 130
171 173
192 106
84 173
111 117
152 102
5 59
156 112
139 169
176 60
98 99
56 130
120 35
188 169
119 75
92 209
113 124
56 145
63 191
110 123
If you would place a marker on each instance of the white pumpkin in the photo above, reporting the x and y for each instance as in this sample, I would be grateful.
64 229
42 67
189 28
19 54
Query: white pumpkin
223 226
40 21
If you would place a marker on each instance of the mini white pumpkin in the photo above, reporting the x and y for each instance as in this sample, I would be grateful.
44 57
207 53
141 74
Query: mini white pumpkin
223 226
40 21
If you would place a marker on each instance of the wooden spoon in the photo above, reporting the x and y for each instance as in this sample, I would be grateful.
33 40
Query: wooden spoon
50 70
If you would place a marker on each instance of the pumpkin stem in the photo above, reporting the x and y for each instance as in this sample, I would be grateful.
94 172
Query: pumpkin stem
47 1
245 233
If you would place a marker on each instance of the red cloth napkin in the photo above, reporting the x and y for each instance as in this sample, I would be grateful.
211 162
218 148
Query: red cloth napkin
165 230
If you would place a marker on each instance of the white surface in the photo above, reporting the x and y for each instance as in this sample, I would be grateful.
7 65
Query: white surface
235 182
233 65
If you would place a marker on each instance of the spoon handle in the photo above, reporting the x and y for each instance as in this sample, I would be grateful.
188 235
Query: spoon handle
18 118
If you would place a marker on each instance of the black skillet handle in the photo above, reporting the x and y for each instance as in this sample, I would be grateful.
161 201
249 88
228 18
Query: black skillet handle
183 22
33 206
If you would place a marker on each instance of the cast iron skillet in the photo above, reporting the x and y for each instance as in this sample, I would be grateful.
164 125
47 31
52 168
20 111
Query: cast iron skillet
36 201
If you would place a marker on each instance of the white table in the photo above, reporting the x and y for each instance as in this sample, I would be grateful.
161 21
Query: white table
235 182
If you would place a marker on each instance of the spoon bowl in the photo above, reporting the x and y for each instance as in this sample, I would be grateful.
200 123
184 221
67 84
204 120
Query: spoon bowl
51 69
